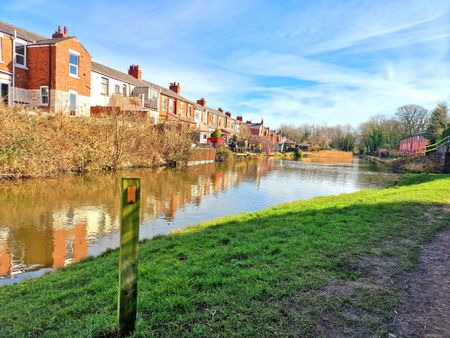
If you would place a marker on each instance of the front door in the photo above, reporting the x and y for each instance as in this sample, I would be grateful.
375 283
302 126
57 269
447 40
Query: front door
4 93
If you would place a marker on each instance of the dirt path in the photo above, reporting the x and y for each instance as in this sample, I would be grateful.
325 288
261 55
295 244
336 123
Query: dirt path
425 309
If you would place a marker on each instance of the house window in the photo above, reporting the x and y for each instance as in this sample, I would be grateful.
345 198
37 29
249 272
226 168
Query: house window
171 106
181 108
20 52
117 89
44 95
73 103
124 89
189 111
154 95
1 48
164 103
105 86
73 64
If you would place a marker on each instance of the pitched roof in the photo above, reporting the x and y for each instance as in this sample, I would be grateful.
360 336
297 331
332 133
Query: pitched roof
51 41
118 75
253 125
215 111
21 33
198 106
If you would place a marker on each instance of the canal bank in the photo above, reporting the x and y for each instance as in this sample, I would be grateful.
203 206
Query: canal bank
324 266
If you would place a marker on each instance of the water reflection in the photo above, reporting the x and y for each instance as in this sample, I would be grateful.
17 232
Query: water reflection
52 223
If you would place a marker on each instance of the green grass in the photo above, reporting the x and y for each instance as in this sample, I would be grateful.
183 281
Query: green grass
306 268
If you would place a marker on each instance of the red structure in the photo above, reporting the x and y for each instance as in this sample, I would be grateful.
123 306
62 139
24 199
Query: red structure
413 145
217 142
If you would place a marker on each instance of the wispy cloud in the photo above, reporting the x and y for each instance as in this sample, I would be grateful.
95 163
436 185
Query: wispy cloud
290 61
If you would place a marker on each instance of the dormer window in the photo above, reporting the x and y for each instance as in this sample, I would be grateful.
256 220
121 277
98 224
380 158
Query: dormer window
73 63
20 52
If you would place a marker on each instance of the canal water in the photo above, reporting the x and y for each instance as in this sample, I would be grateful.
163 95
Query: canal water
48 224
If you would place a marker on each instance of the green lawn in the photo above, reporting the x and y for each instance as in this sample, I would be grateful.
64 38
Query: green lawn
307 268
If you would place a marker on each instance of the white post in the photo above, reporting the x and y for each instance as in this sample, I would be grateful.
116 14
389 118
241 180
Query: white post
14 69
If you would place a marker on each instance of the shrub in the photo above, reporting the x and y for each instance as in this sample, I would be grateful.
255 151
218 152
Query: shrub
216 133
45 145
223 154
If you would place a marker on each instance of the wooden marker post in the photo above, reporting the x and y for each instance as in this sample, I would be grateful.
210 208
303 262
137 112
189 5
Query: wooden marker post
128 266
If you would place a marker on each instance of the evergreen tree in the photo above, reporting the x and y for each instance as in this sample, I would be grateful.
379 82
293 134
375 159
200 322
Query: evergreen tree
438 122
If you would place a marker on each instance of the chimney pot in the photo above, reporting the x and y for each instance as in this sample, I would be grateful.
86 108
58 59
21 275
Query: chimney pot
135 72
66 32
202 102
175 87
59 33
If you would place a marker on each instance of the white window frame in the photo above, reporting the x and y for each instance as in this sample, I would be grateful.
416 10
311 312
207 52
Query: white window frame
124 89
24 44
72 52
9 91
164 103
116 89
42 96
181 108
74 92
171 106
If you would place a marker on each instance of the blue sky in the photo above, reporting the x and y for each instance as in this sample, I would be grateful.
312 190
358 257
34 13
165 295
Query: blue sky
289 61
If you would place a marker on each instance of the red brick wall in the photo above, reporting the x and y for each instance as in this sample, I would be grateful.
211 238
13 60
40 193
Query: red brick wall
203 154
62 79
163 112
38 63
6 54
38 68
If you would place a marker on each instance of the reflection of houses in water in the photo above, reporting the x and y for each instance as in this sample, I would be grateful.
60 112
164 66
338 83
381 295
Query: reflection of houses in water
51 234
59 240
5 256
71 245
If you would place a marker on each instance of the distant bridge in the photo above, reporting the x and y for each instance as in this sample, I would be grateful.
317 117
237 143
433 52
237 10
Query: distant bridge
441 148
435 146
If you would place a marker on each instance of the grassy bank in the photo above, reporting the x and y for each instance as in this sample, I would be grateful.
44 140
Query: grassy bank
33 145
325 266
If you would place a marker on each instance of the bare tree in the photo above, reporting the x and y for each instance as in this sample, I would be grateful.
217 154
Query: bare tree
413 119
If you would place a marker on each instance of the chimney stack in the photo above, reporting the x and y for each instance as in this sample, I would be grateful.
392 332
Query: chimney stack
249 121
220 109
60 33
202 102
135 72
239 118
175 87
228 114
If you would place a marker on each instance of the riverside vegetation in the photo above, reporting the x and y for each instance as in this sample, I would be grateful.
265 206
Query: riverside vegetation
35 145
326 266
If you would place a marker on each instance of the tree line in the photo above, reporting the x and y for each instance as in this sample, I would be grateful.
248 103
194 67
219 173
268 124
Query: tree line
380 132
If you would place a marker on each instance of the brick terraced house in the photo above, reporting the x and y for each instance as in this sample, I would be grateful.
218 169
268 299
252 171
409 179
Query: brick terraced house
58 75
51 74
